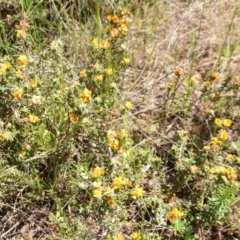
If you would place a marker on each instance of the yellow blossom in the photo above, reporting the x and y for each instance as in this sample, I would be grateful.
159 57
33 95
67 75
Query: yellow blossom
223 135
126 60
2 137
85 120
179 72
114 144
82 74
33 84
73 117
172 85
18 94
97 172
120 237
227 122
23 153
214 76
6 65
111 203
128 105
33 118
135 236
22 60
194 169
206 148
229 157
21 34
208 84
114 19
36 100
86 95
97 193
218 121
194 80
137 192
215 141
95 43
99 77
175 213
109 71
105 44
118 182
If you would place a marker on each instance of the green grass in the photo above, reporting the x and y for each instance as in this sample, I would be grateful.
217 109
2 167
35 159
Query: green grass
119 120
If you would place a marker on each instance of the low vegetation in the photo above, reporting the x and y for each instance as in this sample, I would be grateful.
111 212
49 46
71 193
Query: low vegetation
119 119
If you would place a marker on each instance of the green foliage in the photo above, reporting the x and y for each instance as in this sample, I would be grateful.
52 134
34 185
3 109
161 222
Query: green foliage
92 145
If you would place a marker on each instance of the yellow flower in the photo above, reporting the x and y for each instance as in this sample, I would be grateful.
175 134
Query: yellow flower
227 122
179 72
95 43
115 19
120 237
33 118
194 169
18 94
214 76
215 141
223 135
218 121
175 213
126 60
128 105
36 100
208 84
206 148
229 157
22 60
105 44
172 85
23 153
82 74
85 120
111 203
6 65
171 217
97 193
99 77
2 137
97 172
21 34
194 80
137 192
118 182
114 144
33 84
86 95
109 71
73 117
135 236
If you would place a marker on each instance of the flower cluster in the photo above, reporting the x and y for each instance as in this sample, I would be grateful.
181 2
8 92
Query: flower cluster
97 172
4 66
115 138
86 95
216 141
175 213
118 23
223 122
229 172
